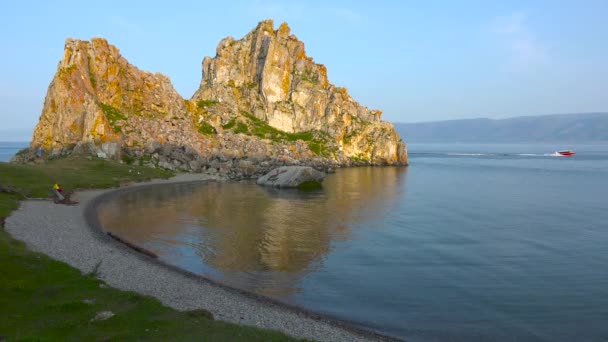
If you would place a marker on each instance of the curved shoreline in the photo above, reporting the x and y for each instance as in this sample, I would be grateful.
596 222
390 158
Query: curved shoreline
57 231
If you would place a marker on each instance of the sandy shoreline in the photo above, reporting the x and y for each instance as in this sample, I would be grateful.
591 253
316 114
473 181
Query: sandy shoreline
63 233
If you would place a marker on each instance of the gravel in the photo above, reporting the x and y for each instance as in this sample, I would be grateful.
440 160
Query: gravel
62 232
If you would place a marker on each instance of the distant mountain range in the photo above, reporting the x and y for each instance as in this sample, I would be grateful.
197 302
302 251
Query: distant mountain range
585 127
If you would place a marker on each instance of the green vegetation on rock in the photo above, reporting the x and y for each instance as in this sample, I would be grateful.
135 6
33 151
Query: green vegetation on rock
93 80
261 129
206 128
305 136
113 115
44 299
206 103
229 124
310 76
241 127
91 75
318 142
359 159
316 147
346 139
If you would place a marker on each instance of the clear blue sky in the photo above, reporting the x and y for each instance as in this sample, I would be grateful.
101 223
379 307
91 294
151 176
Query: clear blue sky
414 60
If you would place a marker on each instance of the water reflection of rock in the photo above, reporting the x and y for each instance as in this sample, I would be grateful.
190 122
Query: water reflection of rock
258 238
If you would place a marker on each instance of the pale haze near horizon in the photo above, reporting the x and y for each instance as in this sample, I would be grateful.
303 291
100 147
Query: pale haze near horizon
415 61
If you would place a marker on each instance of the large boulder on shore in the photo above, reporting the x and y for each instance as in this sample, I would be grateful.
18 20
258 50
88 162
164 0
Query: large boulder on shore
291 176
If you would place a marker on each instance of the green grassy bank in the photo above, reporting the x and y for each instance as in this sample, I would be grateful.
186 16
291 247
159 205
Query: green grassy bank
43 299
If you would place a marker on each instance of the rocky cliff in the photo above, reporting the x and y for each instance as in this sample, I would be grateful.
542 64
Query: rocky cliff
268 75
98 100
261 100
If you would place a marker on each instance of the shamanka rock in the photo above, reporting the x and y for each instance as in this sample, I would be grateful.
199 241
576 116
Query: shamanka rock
267 76
262 103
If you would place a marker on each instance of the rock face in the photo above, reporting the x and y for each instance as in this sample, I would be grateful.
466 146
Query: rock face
268 75
290 176
262 103
97 97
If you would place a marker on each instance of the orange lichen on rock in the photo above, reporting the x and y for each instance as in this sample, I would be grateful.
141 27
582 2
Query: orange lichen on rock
283 30
342 90
286 83
323 72
191 106
106 138
300 54
74 127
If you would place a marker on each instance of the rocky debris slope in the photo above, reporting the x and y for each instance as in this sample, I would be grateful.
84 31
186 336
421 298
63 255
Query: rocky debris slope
262 103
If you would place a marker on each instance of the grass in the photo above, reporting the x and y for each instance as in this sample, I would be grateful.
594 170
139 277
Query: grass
144 160
128 159
44 299
72 173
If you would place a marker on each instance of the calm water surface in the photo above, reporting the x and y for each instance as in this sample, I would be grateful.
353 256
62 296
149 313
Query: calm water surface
8 149
493 242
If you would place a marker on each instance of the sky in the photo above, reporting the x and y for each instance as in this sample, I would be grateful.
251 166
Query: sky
414 60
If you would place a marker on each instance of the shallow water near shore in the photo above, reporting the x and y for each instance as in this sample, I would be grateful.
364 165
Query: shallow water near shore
485 242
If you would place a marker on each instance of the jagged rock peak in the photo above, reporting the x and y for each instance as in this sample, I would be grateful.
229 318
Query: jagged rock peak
268 75
96 94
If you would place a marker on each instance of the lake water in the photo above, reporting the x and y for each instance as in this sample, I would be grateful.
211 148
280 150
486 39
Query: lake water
8 149
471 242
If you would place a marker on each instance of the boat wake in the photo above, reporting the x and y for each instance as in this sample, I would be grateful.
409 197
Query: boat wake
491 155
554 154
